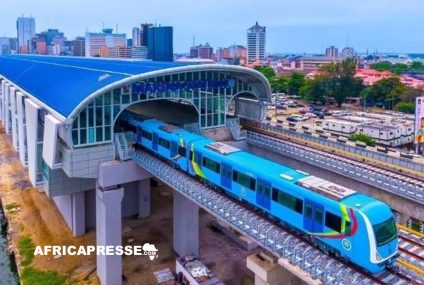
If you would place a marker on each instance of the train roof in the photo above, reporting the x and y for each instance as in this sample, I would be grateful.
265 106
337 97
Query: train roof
249 160
170 129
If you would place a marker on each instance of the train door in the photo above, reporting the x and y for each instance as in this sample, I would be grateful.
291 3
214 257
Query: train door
155 142
313 217
226 171
174 149
263 194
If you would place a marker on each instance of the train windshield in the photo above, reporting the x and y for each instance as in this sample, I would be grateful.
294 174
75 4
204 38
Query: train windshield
385 232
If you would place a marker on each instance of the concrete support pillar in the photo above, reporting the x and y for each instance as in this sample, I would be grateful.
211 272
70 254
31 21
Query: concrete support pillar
1 98
7 122
23 153
269 272
15 129
109 233
186 226
78 213
31 114
144 198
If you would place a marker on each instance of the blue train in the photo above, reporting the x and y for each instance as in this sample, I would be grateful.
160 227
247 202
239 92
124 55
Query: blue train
339 220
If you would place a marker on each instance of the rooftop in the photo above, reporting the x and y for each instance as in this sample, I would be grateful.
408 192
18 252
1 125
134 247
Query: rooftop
55 80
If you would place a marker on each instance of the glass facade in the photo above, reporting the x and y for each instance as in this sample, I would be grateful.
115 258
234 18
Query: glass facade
94 125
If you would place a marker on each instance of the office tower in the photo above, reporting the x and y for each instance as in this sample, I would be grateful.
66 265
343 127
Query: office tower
26 31
201 51
256 37
160 43
144 28
136 37
332 51
78 46
95 41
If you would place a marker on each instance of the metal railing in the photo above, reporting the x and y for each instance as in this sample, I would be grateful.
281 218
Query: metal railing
234 125
398 161
124 149
271 237
393 183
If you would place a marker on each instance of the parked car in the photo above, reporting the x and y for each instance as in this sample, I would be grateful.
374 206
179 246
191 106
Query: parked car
295 118
319 114
310 115
281 106
292 105
303 111
337 113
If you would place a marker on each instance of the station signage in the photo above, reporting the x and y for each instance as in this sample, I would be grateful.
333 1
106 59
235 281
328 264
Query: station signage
144 86
419 120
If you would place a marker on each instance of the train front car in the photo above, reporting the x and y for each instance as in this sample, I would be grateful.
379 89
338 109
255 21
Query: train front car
376 235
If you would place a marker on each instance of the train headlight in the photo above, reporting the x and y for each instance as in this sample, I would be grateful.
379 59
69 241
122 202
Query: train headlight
378 257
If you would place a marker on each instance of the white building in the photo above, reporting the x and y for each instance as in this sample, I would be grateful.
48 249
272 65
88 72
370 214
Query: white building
26 31
94 42
256 38
136 37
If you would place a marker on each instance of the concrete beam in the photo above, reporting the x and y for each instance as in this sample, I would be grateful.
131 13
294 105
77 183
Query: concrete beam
186 226
109 233
144 198
112 173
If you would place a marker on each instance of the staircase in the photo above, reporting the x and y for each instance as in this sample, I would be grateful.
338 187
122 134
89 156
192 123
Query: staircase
123 147
194 128
235 129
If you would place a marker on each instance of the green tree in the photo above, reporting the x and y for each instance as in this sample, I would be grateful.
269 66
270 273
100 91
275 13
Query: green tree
314 90
279 84
382 66
409 94
363 138
400 68
388 90
417 65
340 79
267 71
405 107
295 82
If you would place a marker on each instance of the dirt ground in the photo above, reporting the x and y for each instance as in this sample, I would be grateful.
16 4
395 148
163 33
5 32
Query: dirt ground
37 217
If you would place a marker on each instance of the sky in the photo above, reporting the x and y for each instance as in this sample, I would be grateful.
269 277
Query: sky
298 26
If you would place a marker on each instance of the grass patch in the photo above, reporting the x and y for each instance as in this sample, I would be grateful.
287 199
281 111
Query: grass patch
26 250
32 276
11 206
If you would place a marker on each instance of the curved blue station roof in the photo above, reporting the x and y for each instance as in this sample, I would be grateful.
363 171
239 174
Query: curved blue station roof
63 82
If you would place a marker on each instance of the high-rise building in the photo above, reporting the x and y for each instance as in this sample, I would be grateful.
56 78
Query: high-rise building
4 46
201 51
332 51
78 46
222 53
256 38
26 31
95 41
144 31
160 43
136 37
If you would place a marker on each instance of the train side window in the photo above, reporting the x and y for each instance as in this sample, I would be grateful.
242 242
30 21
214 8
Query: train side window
318 215
308 210
182 151
147 135
164 143
287 200
244 180
139 132
211 164
333 222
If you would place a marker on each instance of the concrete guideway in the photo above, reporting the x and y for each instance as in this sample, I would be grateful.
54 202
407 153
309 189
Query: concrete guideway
286 246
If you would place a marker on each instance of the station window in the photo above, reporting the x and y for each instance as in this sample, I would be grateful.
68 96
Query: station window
287 200
333 222
164 143
182 151
147 135
211 164
244 180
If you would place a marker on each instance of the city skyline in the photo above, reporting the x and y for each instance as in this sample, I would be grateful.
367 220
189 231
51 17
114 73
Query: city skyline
291 27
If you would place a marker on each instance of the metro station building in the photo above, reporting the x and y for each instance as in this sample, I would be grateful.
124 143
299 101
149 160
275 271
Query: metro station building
60 113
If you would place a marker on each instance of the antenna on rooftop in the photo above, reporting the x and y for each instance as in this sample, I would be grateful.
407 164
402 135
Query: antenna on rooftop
116 28
194 40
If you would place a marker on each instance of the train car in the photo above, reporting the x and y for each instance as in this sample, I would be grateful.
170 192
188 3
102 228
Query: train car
354 226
